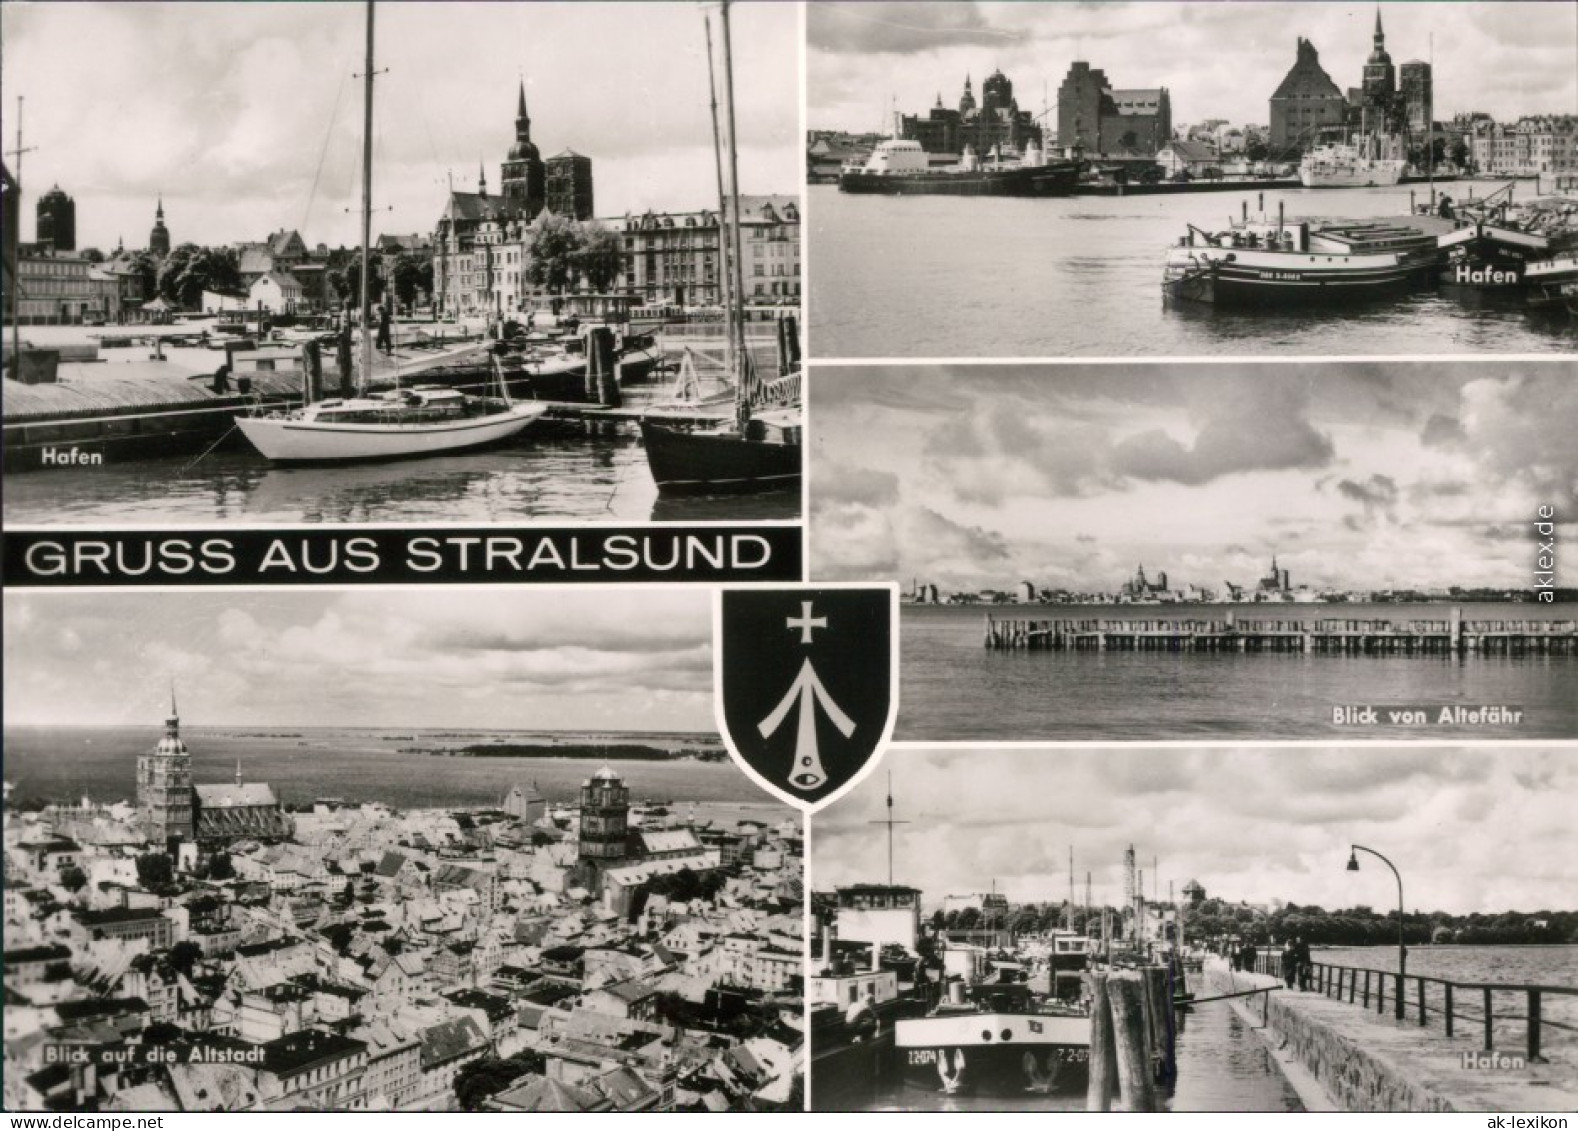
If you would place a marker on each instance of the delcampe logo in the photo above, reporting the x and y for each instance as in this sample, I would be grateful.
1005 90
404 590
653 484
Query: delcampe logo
807 685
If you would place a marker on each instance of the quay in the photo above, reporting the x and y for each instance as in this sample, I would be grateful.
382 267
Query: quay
1341 1047
1453 636
1177 188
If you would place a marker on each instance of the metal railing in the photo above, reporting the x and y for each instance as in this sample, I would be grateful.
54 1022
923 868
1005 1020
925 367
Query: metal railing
1451 1003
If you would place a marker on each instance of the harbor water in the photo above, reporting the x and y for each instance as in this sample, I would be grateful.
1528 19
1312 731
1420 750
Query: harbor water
953 688
553 471
938 276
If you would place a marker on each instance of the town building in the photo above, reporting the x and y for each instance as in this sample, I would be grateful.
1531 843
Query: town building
159 236
569 181
1102 121
64 290
1378 106
171 808
524 181
1306 106
1416 89
57 221
996 122
673 258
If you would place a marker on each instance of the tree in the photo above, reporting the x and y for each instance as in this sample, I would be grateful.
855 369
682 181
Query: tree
553 247
602 257
92 255
73 878
183 957
476 1081
155 870
190 270
220 867
412 276
347 281
1255 150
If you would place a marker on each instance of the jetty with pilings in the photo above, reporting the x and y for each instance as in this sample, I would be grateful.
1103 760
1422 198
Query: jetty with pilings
1331 635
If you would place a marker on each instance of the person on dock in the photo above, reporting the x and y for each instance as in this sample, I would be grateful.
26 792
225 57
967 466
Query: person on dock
1302 959
221 384
1445 210
1290 963
385 342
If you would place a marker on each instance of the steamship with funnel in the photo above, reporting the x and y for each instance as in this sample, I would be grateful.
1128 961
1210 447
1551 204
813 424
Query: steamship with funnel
902 168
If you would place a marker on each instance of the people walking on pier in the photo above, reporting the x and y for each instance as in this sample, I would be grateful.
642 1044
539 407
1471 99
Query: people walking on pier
1290 963
1301 960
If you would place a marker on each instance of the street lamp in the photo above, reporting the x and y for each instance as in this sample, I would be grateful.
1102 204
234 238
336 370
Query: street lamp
1402 950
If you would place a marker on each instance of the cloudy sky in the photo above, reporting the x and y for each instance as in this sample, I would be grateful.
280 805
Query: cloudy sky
612 660
1219 60
1469 830
1363 475
247 118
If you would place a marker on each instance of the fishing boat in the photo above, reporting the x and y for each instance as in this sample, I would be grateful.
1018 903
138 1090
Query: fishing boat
902 168
1280 262
1348 166
400 423
760 448
995 1039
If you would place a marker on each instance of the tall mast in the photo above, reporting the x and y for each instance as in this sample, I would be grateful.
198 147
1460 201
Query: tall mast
367 203
890 822
724 257
15 289
736 313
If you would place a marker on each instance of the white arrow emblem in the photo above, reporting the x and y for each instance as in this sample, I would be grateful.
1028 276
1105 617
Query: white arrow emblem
808 692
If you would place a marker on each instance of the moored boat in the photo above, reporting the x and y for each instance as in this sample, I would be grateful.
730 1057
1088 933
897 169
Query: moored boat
995 1040
902 168
1553 282
1348 166
399 424
1261 263
1490 257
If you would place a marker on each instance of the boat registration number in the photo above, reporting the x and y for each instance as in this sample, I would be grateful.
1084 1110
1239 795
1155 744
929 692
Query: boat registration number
1282 276
1067 1055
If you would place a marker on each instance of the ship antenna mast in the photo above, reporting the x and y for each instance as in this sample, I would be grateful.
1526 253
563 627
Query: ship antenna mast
890 822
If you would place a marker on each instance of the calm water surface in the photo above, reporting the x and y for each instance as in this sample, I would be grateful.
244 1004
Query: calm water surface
552 472
952 688
934 276
66 763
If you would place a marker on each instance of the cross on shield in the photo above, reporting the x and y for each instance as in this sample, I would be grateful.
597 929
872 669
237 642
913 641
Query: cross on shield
807 685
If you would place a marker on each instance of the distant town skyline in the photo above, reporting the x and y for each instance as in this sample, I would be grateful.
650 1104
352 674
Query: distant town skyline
1469 830
1370 475
1217 60
638 660
247 117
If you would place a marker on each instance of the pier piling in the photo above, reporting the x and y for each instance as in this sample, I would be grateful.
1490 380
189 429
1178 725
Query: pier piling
1126 997
1103 1081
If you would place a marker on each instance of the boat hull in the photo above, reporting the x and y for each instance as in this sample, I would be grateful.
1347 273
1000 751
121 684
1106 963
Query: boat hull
1042 180
994 1054
717 462
1242 277
1485 258
1377 174
285 438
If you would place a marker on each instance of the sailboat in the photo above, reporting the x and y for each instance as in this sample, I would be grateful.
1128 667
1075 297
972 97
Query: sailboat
759 449
422 420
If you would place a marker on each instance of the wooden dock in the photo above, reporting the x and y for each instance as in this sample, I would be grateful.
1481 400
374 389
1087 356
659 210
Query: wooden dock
1450 637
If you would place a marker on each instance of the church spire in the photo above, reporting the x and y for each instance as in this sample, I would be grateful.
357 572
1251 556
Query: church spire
522 119
158 212
482 180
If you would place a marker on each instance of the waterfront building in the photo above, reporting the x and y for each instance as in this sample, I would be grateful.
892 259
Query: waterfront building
524 180
673 257
996 122
57 221
569 180
1545 144
1306 104
159 236
1416 89
63 290
1107 122
1378 103
525 803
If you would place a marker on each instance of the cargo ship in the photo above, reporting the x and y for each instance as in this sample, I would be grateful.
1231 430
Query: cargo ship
902 168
